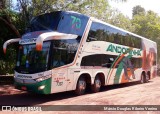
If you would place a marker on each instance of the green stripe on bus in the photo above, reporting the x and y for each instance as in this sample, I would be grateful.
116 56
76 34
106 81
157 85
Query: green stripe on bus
112 66
119 71
34 86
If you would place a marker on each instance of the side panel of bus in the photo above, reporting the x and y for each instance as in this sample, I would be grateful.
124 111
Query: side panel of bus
113 70
149 58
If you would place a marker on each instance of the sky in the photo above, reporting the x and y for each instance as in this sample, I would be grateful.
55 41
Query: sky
126 7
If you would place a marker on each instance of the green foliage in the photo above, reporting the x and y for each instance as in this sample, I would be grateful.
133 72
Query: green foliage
96 8
7 64
119 0
144 23
7 19
29 8
148 25
119 20
138 10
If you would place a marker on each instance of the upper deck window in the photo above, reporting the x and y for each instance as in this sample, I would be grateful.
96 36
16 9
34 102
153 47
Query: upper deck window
102 32
64 22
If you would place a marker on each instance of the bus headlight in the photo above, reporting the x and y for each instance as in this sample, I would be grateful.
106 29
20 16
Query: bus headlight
41 87
42 78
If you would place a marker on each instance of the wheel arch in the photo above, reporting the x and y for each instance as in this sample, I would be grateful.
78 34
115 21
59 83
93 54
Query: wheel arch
86 76
143 77
144 73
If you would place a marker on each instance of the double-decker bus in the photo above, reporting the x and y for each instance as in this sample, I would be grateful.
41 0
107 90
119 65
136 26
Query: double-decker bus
64 51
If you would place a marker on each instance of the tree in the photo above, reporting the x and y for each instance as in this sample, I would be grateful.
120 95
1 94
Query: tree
8 30
119 20
138 10
13 24
148 25
120 0
5 16
96 8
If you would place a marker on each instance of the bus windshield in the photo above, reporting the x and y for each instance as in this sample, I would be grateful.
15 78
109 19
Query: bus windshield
57 21
47 21
62 52
32 61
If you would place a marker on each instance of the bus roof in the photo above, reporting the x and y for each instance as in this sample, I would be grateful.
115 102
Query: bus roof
64 12
96 20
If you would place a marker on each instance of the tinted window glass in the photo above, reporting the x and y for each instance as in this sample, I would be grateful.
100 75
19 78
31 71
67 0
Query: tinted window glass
65 22
72 23
48 21
104 60
137 62
102 32
97 31
64 51
98 60
32 61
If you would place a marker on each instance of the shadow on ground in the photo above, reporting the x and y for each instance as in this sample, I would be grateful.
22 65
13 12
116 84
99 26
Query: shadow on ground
30 99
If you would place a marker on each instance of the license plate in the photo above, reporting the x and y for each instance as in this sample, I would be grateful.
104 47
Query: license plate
23 88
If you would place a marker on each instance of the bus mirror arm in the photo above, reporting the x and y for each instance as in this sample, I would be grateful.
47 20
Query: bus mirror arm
52 36
9 42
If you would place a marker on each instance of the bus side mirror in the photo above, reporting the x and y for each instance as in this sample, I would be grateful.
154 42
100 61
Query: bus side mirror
9 42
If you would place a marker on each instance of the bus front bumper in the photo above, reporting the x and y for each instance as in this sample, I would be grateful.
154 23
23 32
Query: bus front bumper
42 87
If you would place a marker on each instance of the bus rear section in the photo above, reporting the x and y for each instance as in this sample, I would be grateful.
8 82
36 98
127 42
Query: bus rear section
113 56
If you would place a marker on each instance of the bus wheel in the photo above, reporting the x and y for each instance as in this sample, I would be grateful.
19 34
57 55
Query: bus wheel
143 78
97 85
81 86
148 76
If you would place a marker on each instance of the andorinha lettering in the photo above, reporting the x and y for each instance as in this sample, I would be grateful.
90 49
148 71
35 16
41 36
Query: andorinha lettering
25 41
124 50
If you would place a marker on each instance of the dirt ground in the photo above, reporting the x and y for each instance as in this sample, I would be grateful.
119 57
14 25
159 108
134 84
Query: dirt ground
124 94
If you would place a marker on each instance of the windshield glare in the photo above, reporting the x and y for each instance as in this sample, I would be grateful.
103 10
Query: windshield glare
62 53
30 60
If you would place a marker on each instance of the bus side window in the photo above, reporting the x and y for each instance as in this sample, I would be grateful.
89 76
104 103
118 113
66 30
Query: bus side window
91 36
92 60
97 32
108 60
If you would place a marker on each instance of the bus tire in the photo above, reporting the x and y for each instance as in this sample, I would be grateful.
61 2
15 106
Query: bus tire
143 78
81 86
97 85
148 76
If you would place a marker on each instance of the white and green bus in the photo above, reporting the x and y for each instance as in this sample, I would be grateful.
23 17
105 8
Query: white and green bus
65 51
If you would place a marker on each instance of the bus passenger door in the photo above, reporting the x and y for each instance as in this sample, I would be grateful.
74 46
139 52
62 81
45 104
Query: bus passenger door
70 78
59 78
